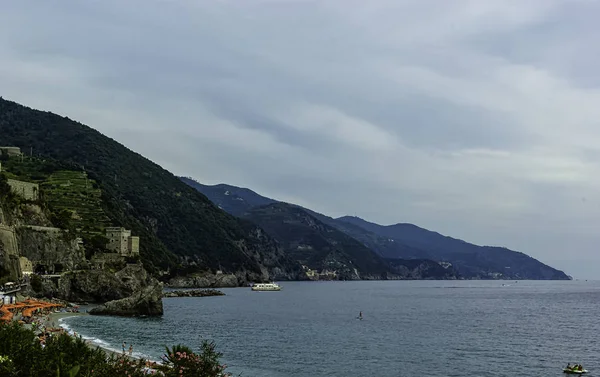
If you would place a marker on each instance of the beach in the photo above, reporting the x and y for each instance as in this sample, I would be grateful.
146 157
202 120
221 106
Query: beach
55 319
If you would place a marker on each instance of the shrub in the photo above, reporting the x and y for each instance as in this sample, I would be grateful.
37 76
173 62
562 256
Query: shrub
64 356
36 283
182 361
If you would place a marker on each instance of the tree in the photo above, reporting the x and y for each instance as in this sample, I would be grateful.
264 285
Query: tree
94 243
62 219
36 283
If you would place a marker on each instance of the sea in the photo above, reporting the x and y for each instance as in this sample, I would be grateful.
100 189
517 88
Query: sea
409 328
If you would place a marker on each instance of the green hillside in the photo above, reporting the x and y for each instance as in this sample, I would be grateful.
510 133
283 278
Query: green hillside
74 191
316 244
179 228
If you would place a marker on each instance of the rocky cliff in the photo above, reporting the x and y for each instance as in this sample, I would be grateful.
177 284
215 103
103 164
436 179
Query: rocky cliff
26 231
51 249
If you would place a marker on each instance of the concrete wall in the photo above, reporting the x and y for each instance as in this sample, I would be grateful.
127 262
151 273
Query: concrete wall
47 229
9 251
27 190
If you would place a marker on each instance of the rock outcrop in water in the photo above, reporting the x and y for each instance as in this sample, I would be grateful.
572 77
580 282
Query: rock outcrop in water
145 302
194 293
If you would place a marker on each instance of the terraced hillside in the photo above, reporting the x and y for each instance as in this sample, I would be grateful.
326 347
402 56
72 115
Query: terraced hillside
74 191
62 189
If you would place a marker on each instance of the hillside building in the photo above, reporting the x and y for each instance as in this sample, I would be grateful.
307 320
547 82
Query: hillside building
26 266
122 242
10 151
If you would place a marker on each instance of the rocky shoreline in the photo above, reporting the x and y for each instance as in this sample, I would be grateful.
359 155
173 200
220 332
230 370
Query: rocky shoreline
193 293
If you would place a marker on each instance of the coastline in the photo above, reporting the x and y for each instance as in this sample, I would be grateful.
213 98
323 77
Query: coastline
44 320
55 320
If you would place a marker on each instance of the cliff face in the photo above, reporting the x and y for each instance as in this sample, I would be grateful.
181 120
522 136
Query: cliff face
25 232
50 249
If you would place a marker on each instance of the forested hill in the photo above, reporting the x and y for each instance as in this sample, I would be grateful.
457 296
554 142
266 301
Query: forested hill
175 222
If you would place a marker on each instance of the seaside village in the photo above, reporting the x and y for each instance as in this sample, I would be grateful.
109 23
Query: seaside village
31 312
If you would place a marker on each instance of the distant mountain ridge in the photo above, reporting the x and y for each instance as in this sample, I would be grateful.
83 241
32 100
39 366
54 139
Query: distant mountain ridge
403 241
315 240
468 258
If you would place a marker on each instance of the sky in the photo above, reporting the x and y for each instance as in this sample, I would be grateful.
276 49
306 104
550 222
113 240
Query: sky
476 119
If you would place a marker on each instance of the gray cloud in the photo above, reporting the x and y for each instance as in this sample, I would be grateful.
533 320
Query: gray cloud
476 119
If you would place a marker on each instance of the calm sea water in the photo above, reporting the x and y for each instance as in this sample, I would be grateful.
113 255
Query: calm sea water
431 328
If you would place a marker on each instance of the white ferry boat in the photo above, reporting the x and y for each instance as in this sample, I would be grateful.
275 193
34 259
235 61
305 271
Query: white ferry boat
266 287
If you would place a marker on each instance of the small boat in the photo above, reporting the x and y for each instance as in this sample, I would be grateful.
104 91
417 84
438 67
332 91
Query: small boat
574 371
266 287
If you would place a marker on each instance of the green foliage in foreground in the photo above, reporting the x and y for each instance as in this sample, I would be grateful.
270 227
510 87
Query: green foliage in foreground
21 354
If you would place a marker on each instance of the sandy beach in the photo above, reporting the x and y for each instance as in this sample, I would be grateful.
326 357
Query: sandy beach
54 318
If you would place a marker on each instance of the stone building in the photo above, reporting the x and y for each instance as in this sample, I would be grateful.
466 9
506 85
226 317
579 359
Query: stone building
26 266
10 151
122 242
133 245
27 190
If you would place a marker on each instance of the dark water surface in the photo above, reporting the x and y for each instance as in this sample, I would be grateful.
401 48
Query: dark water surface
410 328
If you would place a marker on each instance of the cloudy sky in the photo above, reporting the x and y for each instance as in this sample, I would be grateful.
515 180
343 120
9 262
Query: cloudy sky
477 119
